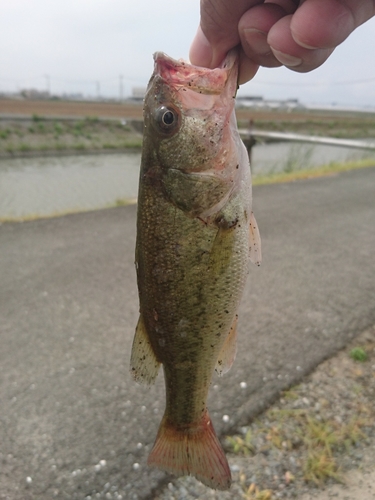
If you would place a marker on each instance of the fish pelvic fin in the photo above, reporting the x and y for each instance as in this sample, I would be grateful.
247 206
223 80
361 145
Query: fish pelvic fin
193 450
144 366
255 249
228 351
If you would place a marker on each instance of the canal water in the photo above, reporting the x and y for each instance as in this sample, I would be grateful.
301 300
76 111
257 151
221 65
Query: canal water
45 186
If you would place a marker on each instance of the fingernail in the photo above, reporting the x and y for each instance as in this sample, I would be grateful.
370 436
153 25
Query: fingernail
287 59
257 41
200 50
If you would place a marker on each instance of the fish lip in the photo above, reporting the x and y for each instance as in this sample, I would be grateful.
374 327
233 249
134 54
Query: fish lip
181 74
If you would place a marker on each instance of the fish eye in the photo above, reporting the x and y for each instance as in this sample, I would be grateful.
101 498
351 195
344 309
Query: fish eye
167 119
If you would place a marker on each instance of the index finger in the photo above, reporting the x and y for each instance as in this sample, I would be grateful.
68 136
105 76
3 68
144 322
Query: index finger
218 31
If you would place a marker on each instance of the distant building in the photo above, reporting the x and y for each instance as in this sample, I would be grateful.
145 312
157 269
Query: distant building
250 98
34 94
138 93
259 103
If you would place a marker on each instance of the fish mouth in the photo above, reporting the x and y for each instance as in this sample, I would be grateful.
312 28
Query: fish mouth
180 74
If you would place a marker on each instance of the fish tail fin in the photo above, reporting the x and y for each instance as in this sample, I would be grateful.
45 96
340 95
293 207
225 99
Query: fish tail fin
194 450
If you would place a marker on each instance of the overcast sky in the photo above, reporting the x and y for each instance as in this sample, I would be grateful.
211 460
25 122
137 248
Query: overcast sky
85 45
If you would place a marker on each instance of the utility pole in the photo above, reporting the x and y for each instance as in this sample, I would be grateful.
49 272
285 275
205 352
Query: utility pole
121 88
48 84
98 90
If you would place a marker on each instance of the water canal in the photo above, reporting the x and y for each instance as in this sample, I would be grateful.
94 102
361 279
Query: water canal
45 186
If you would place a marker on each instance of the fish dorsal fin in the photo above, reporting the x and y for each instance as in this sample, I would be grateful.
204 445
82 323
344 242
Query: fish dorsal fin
255 249
228 351
144 366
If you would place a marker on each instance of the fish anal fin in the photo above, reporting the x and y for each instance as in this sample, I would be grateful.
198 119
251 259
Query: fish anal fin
228 351
255 249
144 366
193 450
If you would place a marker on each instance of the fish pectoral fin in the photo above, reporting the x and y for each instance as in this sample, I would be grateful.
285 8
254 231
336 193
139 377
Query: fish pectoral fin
228 351
255 249
144 365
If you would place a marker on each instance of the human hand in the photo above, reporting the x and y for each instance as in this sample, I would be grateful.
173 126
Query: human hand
300 35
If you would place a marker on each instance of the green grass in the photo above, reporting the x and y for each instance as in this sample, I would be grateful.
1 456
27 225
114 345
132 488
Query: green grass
317 439
58 128
329 169
358 354
37 118
86 134
242 446
345 127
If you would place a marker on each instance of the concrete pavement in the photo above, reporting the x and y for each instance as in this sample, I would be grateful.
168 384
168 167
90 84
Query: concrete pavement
72 422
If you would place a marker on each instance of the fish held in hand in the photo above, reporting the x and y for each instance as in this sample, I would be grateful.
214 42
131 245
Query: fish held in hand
195 235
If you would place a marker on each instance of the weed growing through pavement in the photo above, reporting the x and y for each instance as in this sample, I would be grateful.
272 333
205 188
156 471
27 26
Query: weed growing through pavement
252 492
358 354
242 446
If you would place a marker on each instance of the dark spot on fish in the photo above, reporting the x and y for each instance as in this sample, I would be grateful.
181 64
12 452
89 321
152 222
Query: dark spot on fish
237 166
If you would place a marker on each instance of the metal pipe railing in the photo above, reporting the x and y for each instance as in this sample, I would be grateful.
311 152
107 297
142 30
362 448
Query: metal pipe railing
286 136
250 138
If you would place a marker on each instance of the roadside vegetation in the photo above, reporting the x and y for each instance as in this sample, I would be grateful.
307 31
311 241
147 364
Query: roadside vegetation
314 433
308 173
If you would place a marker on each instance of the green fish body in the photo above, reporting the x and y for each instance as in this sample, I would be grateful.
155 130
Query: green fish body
195 235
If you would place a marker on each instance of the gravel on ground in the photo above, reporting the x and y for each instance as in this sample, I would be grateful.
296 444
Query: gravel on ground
316 442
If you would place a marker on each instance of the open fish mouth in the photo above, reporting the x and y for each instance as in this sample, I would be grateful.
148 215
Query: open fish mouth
180 74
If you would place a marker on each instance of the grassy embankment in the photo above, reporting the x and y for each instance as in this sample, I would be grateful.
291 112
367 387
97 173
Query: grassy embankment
40 135
297 173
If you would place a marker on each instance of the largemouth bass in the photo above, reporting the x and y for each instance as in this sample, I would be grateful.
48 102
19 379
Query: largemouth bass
195 235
